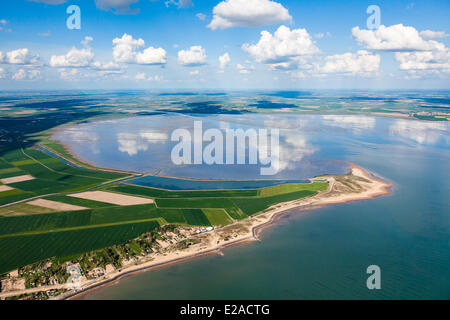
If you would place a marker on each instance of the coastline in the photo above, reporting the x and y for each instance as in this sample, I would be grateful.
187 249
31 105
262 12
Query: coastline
242 232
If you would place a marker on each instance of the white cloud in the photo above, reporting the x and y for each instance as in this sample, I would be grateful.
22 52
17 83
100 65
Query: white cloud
82 58
126 50
2 73
97 65
74 58
180 3
319 35
283 49
438 61
360 63
416 55
322 35
143 77
248 13
394 38
245 69
195 56
428 34
71 74
87 40
117 6
20 56
23 74
151 56
201 16
224 60
194 73
298 75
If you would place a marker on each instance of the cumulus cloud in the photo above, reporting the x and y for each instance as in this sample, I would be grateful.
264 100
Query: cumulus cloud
195 56
416 55
74 58
393 38
428 34
128 50
360 63
82 58
2 73
194 73
248 13
23 74
424 61
284 49
117 6
19 56
224 60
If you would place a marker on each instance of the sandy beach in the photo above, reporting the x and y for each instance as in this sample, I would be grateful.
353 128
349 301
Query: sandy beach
359 185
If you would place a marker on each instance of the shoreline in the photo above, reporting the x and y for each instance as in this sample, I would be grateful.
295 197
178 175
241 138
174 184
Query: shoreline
251 229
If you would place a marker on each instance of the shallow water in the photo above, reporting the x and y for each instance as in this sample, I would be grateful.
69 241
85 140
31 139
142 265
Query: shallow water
143 144
324 253
185 184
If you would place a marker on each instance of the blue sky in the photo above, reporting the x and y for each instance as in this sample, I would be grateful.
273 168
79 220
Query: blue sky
307 44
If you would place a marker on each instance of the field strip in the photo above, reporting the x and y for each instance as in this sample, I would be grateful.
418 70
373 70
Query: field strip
58 206
94 226
16 179
75 175
113 198
5 188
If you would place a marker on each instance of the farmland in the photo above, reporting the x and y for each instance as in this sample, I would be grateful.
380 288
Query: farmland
29 233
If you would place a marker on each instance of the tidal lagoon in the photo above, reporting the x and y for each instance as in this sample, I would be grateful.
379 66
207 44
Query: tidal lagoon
321 253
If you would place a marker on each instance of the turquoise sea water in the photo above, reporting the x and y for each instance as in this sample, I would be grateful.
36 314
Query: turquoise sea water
323 253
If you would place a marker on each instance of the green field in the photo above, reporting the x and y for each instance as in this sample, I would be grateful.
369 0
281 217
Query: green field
217 217
29 234
17 251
